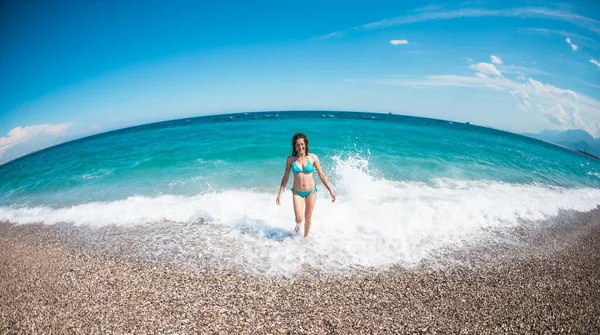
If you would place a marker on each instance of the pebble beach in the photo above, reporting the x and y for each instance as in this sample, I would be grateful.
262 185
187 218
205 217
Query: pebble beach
47 286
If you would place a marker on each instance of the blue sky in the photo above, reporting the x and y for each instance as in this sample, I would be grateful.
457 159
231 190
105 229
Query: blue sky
74 68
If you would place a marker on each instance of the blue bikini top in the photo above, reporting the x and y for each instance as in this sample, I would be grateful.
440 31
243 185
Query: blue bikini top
307 169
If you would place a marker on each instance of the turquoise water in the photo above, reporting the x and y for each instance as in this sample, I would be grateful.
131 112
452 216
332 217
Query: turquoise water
406 186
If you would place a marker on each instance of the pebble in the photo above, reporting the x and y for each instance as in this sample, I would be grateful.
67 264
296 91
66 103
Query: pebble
50 287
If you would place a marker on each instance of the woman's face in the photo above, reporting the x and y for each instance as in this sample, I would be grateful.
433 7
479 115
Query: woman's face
300 146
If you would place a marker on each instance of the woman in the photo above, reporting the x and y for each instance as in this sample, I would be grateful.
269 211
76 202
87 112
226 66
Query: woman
303 164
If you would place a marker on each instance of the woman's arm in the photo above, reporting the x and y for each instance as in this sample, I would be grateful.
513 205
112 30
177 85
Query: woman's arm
322 176
286 177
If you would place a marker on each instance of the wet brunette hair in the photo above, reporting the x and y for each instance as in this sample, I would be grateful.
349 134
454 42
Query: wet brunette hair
294 139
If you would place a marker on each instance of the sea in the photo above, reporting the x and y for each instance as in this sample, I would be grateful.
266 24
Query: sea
199 193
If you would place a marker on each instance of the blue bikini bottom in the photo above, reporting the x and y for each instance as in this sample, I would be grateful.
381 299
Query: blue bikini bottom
304 194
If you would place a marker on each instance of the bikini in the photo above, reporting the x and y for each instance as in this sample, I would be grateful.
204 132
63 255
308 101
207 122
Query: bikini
307 169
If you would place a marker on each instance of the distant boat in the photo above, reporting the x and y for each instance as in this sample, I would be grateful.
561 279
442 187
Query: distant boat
588 154
468 123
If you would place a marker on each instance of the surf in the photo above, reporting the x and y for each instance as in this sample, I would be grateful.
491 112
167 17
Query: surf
375 223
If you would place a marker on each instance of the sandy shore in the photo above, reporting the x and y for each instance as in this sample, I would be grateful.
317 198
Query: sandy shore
49 287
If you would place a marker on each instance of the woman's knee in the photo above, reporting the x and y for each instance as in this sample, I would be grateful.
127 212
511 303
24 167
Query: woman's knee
308 217
298 219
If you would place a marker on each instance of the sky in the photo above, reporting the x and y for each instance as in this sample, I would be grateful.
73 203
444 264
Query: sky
70 69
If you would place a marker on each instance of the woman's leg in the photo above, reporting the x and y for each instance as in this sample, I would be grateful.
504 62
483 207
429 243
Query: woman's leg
310 204
298 210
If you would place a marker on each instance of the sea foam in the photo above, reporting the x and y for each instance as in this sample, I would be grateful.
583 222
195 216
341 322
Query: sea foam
374 223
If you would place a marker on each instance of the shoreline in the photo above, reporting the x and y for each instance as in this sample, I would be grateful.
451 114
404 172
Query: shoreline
49 286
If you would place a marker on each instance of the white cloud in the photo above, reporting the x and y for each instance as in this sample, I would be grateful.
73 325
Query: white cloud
398 42
524 99
520 94
523 12
95 127
595 62
434 14
555 114
559 32
523 69
573 46
547 90
560 108
587 83
23 134
496 60
590 42
486 68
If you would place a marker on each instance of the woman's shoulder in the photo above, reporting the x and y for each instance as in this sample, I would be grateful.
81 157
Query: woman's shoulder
314 157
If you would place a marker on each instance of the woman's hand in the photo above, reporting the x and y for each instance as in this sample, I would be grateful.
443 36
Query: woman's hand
277 200
332 196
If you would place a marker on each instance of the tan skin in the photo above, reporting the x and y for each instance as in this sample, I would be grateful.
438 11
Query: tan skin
303 182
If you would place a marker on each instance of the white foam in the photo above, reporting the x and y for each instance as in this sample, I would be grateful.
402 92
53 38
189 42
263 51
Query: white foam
595 174
374 223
